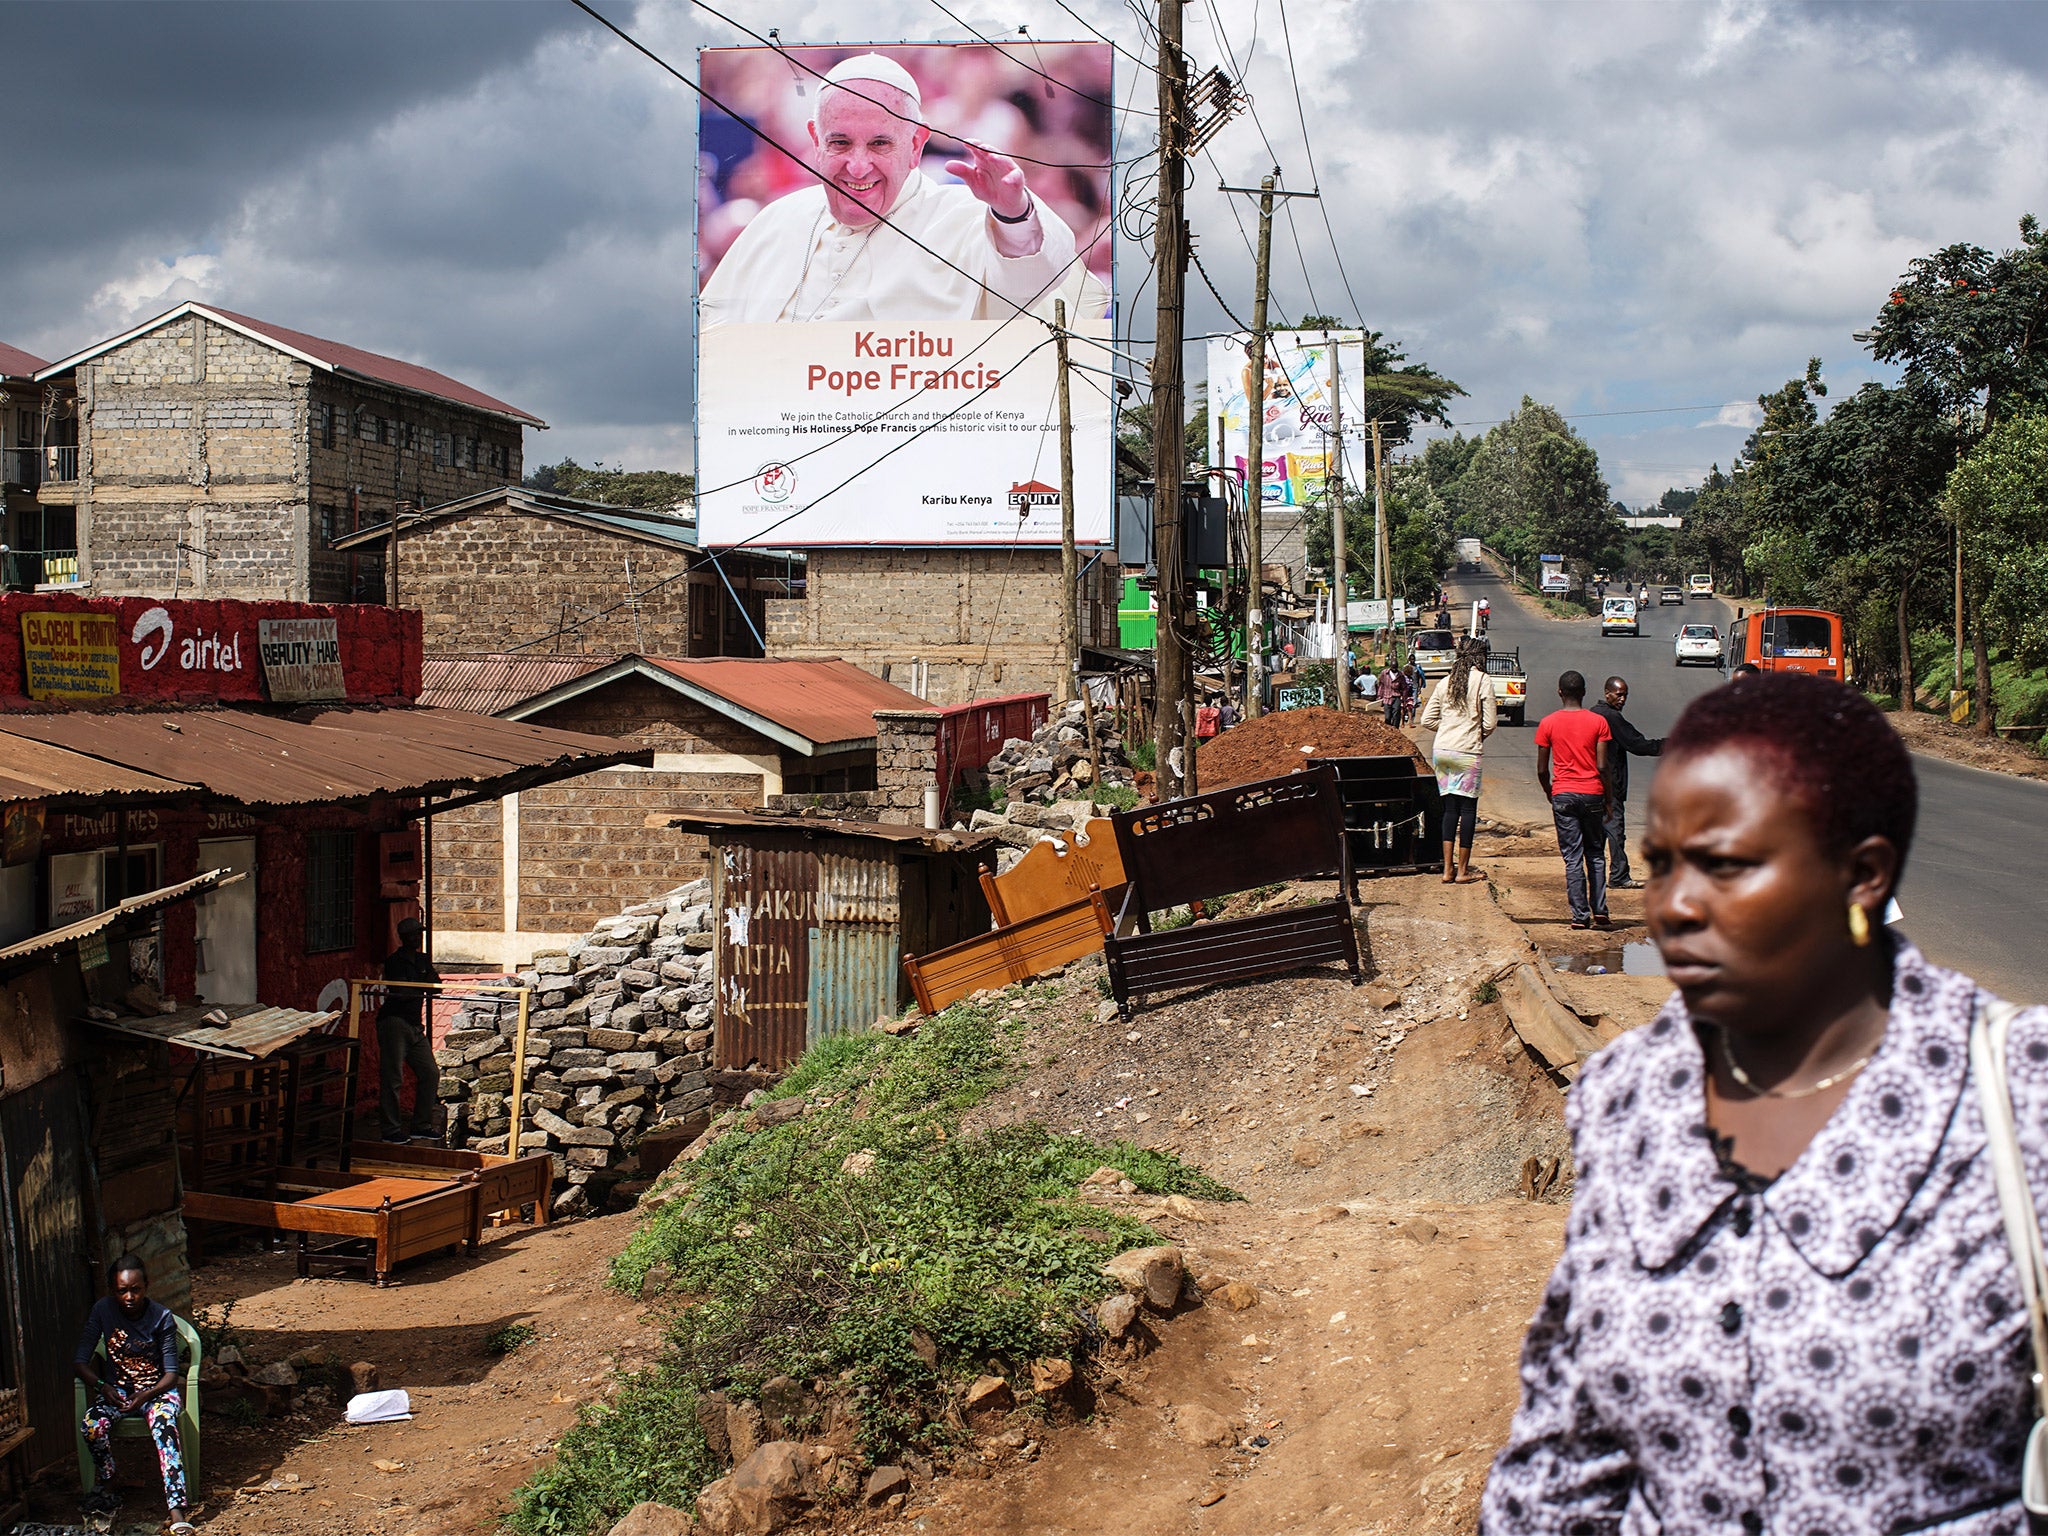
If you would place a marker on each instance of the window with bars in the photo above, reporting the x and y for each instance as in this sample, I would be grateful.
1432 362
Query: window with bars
330 891
367 424
442 449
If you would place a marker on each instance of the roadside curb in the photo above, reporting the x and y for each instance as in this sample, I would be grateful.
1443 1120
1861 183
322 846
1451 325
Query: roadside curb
1551 1031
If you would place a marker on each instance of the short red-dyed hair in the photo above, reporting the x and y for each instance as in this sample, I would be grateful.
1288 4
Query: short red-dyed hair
1823 743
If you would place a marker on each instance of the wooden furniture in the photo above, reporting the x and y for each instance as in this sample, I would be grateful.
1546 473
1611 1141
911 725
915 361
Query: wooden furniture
354 1221
504 1184
319 1100
137 1428
1393 815
1205 846
1042 942
1056 872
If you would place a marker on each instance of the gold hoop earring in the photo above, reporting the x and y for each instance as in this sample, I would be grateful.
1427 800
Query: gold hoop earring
1859 926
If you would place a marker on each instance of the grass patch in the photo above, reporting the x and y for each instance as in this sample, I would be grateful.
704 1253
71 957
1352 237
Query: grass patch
1143 753
1117 797
950 1255
1486 993
508 1338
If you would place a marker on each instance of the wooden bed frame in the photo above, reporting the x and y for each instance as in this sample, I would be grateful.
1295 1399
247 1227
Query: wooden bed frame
400 1219
1229 840
1042 942
504 1183
1057 872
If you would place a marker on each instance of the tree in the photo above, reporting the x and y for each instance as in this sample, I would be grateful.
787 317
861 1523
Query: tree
1998 496
655 489
1854 501
1535 487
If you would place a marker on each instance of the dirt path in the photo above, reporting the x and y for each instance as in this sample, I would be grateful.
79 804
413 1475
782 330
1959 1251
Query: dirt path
1934 735
481 1420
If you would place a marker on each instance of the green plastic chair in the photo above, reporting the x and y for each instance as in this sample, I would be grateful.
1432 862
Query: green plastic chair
137 1428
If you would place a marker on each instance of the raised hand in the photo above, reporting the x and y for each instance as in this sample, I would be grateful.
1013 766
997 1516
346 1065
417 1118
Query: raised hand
993 178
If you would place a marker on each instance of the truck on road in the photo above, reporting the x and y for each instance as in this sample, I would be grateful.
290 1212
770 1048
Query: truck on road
1468 554
1510 684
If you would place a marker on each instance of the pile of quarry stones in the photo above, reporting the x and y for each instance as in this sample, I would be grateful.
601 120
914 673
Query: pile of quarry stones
618 1053
1054 764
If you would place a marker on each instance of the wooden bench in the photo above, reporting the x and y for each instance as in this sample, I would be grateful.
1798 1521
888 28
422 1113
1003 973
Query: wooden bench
504 1184
1211 845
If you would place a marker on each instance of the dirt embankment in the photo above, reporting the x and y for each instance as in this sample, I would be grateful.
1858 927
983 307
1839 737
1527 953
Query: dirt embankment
1282 742
1934 735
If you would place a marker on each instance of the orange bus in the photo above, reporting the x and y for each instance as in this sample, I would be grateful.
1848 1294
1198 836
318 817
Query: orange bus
1790 640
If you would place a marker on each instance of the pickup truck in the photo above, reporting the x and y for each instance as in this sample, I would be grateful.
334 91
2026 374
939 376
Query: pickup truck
1510 684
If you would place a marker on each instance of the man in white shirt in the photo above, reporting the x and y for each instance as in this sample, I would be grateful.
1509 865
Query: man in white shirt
824 253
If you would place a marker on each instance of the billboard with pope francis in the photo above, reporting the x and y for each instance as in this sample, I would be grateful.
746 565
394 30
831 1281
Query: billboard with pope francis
882 234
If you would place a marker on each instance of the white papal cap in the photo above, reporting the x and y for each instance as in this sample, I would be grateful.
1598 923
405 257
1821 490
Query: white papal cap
873 67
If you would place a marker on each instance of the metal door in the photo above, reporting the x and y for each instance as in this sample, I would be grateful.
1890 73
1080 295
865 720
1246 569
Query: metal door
856 949
226 924
42 1162
767 902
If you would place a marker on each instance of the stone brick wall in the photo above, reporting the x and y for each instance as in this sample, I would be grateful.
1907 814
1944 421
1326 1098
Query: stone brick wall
194 435
469 867
385 447
906 764
197 435
585 847
978 621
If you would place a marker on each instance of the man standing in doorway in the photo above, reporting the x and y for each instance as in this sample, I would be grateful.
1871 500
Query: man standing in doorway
1572 746
402 1040
1627 739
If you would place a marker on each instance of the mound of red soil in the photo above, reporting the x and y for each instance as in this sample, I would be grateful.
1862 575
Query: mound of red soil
1280 743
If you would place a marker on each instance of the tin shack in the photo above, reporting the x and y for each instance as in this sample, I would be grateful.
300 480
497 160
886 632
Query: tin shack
814 917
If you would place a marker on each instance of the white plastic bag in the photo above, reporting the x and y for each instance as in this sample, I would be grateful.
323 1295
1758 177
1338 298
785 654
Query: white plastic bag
379 1407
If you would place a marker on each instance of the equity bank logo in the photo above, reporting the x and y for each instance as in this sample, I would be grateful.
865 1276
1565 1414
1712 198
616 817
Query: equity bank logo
775 483
1032 493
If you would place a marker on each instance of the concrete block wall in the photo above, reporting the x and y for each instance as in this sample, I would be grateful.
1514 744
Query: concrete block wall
469 867
906 763
193 434
585 846
971 622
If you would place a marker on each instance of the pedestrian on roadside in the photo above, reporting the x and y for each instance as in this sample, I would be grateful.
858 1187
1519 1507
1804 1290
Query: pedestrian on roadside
1788 1299
1412 683
1572 747
402 1040
1627 739
137 1377
1463 712
1390 693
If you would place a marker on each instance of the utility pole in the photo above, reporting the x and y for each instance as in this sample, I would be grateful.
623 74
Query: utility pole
1255 461
1070 618
1340 591
1173 716
1380 561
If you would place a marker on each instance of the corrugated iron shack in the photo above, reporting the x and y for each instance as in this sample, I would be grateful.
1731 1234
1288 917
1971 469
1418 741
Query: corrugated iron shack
814 917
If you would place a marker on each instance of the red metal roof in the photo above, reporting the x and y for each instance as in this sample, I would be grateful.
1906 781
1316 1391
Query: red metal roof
486 684
17 364
327 354
34 770
324 754
822 701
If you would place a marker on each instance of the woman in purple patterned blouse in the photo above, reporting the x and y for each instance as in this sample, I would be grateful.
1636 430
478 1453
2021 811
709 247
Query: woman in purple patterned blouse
1786 1303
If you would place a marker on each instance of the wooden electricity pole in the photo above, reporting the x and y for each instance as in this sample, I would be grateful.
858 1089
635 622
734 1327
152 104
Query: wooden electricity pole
1340 594
1070 618
1173 715
1255 463
1382 563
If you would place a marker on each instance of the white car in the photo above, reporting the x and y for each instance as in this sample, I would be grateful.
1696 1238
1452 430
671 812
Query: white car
1696 643
1618 617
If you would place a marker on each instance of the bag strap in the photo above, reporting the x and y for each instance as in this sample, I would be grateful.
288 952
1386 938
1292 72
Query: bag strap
1989 1033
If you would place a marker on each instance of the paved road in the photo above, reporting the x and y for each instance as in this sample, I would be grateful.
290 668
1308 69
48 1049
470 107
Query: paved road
1975 895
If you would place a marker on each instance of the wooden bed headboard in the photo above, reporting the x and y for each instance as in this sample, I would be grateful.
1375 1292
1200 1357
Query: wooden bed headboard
1228 840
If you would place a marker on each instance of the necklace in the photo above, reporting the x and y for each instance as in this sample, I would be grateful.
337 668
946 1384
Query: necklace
1744 1080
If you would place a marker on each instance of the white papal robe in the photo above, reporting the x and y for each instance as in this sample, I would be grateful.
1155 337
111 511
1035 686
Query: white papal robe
794 261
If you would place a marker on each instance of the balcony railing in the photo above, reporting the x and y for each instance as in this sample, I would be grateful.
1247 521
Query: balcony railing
27 468
23 570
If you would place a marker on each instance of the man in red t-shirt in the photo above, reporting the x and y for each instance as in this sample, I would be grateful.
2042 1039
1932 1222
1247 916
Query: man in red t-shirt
1572 743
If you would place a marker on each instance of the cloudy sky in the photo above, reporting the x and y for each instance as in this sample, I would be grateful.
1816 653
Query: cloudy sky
1613 208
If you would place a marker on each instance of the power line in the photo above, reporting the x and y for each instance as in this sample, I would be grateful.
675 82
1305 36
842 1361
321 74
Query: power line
1315 176
1071 90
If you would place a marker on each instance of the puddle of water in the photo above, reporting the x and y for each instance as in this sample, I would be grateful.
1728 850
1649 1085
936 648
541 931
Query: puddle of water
1637 959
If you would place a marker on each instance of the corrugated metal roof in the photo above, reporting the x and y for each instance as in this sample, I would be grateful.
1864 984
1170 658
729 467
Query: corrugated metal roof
640 523
86 927
939 839
342 753
486 684
34 770
253 1030
17 364
332 355
822 701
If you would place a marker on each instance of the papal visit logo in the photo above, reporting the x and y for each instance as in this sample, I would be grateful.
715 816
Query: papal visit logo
775 483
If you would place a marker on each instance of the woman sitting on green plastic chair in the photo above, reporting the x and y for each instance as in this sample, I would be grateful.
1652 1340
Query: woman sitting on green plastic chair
141 1377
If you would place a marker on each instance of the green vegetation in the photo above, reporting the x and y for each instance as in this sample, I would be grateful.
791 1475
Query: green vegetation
508 1338
658 490
1488 992
933 1255
1143 753
1116 797
242 1412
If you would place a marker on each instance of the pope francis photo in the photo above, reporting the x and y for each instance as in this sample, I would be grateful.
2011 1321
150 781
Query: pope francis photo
859 244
